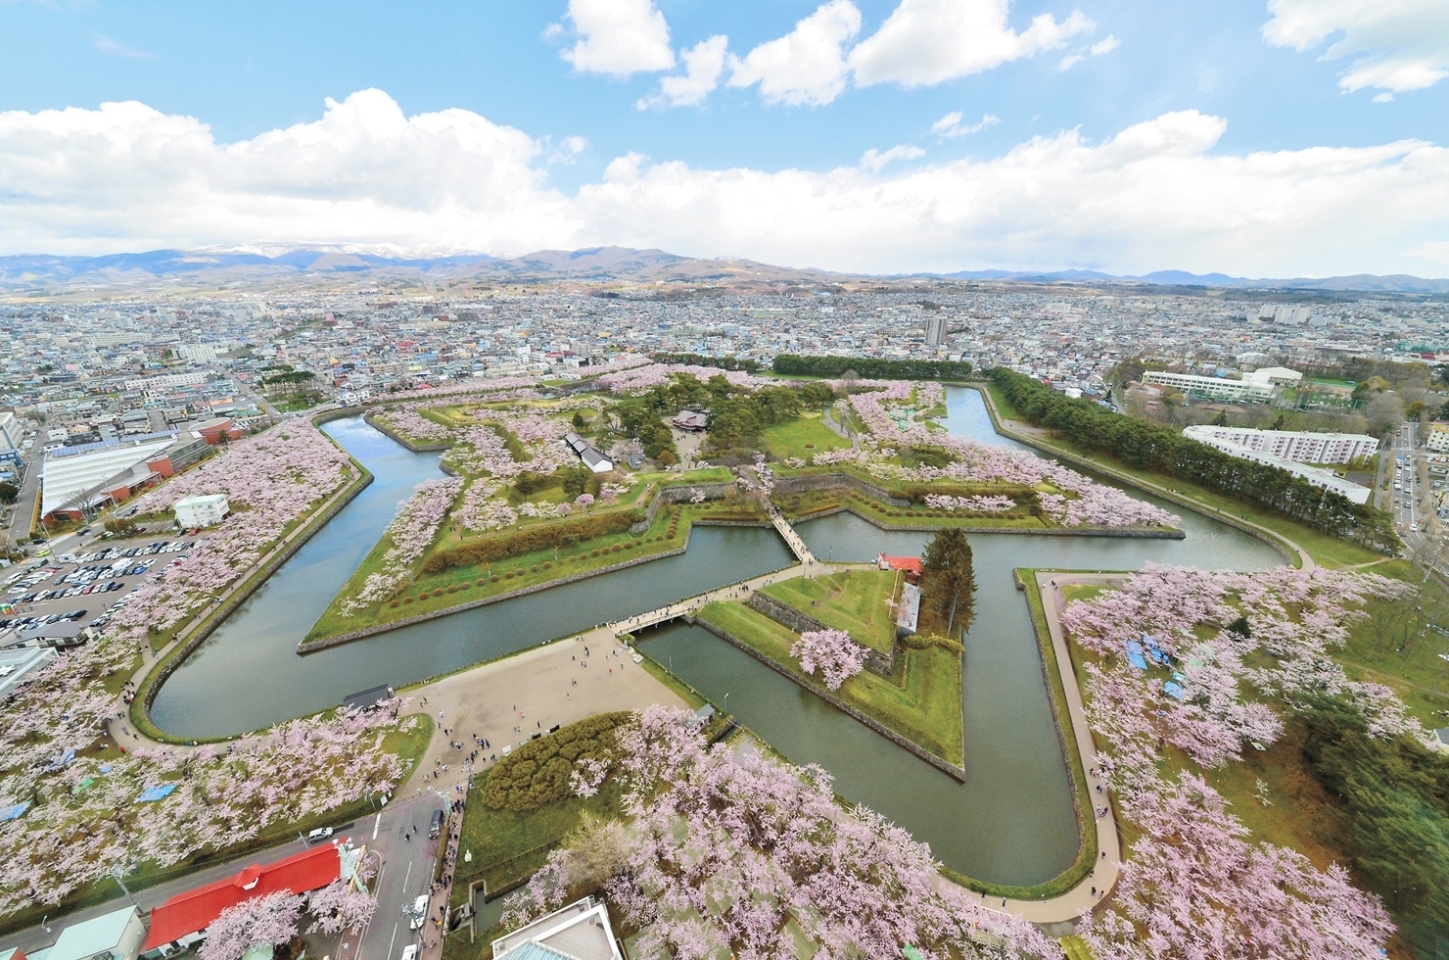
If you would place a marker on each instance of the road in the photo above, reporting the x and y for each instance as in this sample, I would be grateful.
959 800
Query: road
407 872
19 532
1411 497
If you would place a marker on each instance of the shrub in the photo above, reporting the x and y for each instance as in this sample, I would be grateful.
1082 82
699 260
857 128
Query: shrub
507 576
452 589
407 599
548 564
541 537
466 585
593 553
493 579
394 603
533 569
537 773
480 583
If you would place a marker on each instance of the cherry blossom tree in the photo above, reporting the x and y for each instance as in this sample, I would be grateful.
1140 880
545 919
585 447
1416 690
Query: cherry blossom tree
263 921
832 653
340 906
729 850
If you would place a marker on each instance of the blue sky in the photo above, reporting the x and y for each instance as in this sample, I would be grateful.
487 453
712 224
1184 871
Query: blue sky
564 90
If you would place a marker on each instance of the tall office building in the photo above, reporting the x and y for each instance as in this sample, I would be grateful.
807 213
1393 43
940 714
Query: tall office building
935 332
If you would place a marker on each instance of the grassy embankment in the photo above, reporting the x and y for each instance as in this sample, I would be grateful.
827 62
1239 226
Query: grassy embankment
922 702
433 592
1325 549
856 601
409 745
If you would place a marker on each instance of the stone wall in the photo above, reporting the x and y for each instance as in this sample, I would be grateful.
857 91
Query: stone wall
679 494
787 616
834 481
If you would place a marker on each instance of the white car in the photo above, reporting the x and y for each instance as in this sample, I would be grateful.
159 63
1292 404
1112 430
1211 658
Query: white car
410 952
320 834
419 912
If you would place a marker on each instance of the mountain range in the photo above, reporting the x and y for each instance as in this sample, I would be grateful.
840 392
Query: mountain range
274 262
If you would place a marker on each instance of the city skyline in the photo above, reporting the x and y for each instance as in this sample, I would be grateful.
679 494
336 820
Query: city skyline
1260 140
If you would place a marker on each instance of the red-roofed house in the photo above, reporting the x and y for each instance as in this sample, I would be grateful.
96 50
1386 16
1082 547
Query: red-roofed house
194 911
908 564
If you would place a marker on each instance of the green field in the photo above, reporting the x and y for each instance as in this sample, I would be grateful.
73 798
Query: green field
801 437
855 601
922 703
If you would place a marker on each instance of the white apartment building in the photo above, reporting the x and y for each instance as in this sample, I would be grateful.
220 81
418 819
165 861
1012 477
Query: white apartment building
1214 388
166 381
201 510
1298 446
1437 439
198 352
1314 475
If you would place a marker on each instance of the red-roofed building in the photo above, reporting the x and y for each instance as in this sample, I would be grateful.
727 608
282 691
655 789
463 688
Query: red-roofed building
908 564
194 911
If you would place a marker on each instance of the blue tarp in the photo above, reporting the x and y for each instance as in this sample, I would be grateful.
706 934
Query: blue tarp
11 813
1134 655
1174 690
62 759
1156 652
153 794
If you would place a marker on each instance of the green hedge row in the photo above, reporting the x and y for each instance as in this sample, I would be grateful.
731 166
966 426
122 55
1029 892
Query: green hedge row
1164 450
537 773
871 368
537 538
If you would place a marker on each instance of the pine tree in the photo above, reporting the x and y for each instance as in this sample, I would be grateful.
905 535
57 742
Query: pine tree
948 577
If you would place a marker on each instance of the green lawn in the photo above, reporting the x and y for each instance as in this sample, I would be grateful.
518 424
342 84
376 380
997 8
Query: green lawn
1396 645
507 845
923 703
854 601
805 435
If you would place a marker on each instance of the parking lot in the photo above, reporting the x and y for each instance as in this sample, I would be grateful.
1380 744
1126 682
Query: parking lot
85 587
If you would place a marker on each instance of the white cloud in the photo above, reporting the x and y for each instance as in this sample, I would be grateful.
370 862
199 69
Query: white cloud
951 126
618 37
807 65
1105 45
703 66
115 48
925 42
1395 45
874 159
1159 194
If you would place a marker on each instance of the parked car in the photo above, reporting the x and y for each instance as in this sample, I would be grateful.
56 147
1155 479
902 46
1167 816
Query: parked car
419 912
320 834
437 825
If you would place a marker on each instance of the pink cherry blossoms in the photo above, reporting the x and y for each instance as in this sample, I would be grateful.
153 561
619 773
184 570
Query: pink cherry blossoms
85 820
270 480
264 921
340 906
832 653
997 504
411 533
1196 885
730 850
